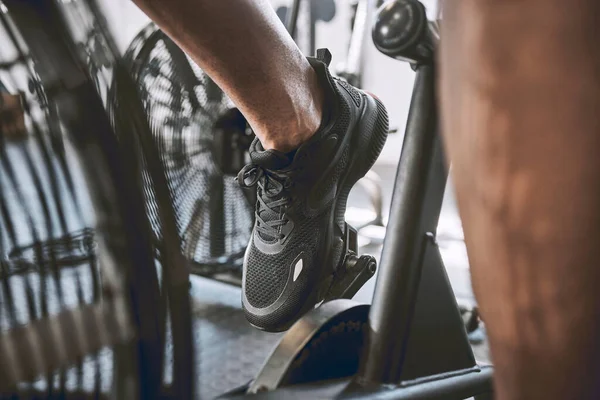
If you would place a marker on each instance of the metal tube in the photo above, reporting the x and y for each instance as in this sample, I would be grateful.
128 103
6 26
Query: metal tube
291 21
312 30
357 40
458 386
452 387
400 269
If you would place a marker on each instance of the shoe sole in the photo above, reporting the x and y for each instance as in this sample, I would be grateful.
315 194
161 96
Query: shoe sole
374 143
374 135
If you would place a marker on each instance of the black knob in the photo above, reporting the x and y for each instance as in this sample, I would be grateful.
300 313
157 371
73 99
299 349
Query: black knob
401 31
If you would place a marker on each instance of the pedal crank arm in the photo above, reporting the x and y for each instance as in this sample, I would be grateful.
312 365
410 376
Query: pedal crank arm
355 272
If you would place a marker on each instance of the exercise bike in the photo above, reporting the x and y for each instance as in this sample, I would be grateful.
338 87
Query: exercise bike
411 343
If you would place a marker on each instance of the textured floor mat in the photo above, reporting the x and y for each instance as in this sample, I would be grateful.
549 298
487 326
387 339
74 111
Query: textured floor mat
230 352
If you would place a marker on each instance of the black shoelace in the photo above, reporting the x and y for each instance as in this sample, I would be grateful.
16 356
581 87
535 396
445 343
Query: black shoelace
273 198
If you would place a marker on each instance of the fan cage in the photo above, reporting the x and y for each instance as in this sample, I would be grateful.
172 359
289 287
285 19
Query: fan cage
59 250
214 215
48 249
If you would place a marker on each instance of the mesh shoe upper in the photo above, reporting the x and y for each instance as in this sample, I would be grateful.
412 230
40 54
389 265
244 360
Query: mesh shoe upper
297 240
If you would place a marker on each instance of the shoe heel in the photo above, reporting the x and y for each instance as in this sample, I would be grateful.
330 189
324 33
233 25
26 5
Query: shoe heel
379 137
375 129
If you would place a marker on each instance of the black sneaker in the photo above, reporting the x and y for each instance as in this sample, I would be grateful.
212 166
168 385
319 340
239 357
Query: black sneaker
297 242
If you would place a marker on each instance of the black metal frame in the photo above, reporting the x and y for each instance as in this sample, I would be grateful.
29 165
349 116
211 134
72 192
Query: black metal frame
417 345
460 385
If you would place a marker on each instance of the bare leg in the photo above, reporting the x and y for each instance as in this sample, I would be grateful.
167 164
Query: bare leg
246 50
301 197
521 114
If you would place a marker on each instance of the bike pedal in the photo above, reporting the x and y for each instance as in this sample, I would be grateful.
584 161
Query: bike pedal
354 272
350 239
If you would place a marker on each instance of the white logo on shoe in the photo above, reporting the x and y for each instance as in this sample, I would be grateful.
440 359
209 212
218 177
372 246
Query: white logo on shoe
297 269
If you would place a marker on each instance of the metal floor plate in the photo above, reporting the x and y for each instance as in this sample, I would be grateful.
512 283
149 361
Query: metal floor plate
230 352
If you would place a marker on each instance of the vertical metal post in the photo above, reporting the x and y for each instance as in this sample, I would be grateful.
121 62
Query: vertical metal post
291 20
400 268
312 30
362 20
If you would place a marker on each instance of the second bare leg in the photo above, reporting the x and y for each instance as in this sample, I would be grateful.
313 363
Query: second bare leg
520 101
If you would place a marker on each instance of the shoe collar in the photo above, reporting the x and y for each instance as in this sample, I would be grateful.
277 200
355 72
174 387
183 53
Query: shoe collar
269 159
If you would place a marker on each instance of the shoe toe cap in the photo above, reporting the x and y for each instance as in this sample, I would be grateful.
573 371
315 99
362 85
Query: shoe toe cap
275 289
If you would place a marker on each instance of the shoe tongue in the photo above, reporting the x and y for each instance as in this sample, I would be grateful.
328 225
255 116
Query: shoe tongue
270 159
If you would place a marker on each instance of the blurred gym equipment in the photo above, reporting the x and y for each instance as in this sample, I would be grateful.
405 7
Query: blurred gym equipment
120 324
83 313
203 142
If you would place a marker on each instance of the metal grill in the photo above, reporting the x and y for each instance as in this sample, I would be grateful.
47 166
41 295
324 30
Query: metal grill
80 297
214 215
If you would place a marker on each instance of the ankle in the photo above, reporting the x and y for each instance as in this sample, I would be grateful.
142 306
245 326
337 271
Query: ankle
296 127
